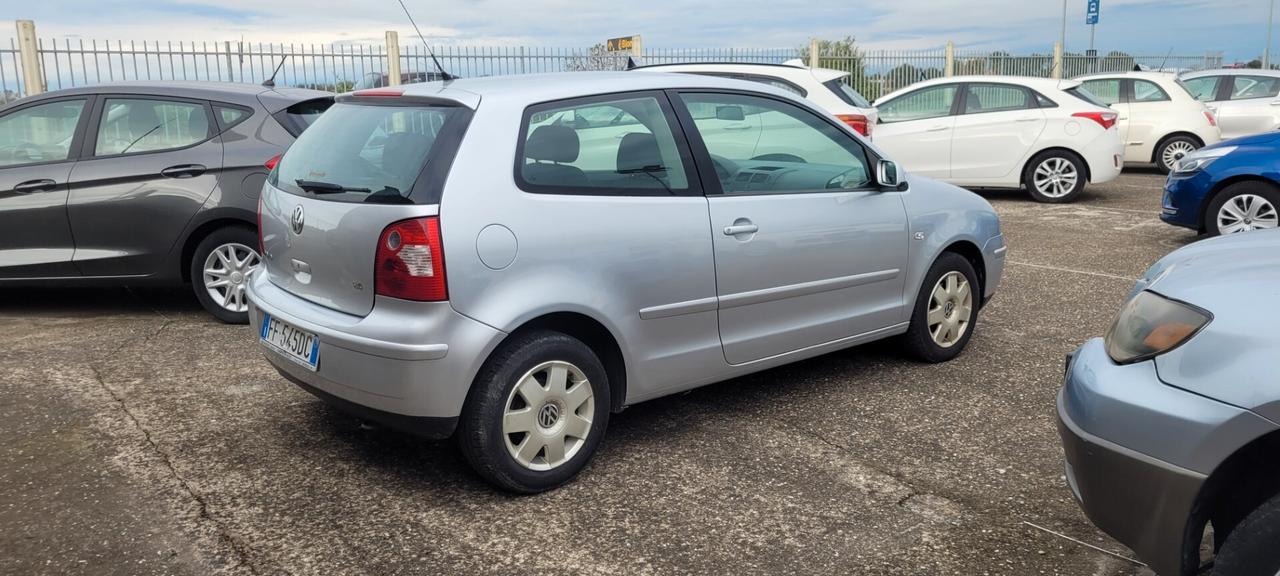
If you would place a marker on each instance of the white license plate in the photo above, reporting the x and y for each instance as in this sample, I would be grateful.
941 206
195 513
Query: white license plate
294 343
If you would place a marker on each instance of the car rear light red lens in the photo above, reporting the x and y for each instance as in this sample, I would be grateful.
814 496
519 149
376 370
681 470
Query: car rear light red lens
271 164
857 122
410 261
1209 116
382 92
1104 119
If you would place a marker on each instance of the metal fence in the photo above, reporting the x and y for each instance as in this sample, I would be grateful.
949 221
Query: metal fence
339 67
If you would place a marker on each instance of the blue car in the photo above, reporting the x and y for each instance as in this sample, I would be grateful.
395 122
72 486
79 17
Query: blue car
1229 187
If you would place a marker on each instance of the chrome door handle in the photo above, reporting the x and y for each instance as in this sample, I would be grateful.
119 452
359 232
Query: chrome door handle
741 229
937 129
1273 103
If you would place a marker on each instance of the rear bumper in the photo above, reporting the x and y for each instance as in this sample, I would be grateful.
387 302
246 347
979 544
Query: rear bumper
407 364
1105 157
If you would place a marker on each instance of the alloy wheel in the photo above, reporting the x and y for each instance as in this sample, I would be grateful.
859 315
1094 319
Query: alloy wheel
1055 177
950 306
226 275
1247 212
1175 151
548 415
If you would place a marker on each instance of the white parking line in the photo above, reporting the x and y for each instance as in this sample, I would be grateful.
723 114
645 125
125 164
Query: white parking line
1085 544
1073 271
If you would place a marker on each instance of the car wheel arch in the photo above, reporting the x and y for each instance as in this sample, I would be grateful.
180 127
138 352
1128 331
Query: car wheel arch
1220 187
1088 170
971 252
1155 151
202 231
1243 481
590 331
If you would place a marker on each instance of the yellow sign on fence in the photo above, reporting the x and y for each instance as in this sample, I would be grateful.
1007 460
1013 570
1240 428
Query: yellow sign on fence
623 44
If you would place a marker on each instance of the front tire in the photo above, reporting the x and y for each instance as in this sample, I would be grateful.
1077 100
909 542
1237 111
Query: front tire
220 268
1242 207
1055 177
1173 149
1250 549
946 310
536 412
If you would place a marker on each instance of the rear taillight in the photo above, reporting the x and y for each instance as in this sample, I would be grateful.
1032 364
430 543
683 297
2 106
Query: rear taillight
1104 119
410 261
857 122
271 164
1209 116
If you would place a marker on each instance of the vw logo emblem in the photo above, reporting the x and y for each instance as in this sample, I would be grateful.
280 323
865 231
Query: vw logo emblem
299 218
548 415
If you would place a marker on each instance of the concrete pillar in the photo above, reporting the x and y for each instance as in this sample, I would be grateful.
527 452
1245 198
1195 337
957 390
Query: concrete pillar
393 58
950 68
29 59
813 52
1057 61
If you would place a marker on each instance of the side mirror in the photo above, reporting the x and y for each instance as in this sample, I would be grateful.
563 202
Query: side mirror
731 113
887 175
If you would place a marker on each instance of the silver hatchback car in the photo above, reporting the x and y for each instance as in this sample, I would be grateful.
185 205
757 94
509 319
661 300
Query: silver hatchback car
514 259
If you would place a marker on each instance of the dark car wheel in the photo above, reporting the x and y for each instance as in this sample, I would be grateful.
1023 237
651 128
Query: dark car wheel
1242 207
535 413
1171 150
946 310
1054 176
1250 549
220 268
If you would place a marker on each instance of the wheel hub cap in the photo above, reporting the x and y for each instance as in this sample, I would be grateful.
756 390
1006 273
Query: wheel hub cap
1247 212
548 415
226 275
949 308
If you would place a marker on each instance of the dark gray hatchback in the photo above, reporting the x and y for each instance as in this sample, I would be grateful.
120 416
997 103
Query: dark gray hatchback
139 183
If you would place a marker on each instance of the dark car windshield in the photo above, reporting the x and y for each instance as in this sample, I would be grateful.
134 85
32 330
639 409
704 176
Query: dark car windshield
846 93
366 153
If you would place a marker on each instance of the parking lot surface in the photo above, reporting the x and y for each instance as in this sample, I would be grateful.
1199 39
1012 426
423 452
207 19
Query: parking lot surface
140 436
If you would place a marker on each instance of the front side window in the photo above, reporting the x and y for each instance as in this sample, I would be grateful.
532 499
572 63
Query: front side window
766 146
135 126
1106 91
932 102
981 98
615 146
40 133
1147 91
1204 89
1250 87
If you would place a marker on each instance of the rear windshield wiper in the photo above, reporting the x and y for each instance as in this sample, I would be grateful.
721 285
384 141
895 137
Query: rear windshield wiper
319 187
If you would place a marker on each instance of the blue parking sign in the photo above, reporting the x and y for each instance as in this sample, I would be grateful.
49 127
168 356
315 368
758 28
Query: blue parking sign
1091 16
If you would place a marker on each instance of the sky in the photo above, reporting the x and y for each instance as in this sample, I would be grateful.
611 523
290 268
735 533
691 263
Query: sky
1149 27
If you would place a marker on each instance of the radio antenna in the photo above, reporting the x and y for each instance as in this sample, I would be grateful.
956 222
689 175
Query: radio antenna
443 74
271 82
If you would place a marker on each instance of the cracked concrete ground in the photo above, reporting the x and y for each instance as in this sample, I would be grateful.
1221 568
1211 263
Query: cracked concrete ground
142 437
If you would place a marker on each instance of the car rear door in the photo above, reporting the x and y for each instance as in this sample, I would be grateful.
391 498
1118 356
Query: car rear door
39 143
916 129
807 250
997 126
148 164
1248 105
1150 108
1110 91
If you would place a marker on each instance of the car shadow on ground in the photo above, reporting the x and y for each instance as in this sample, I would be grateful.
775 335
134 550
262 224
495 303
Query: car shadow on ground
97 301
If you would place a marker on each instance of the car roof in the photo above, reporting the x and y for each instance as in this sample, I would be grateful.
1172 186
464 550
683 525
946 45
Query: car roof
790 69
1146 75
1232 72
233 92
1039 84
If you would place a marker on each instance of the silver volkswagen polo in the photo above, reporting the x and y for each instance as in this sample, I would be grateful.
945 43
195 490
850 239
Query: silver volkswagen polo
510 260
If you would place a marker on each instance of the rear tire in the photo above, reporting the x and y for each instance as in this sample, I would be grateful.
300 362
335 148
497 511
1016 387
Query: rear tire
1250 549
531 439
220 270
1172 149
944 317
1055 177
1242 207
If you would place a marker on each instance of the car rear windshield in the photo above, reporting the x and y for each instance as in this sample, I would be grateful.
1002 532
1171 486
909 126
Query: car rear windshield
302 115
846 93
1083 94
365 152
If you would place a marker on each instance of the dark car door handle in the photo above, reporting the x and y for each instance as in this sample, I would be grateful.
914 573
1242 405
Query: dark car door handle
183 171
30 186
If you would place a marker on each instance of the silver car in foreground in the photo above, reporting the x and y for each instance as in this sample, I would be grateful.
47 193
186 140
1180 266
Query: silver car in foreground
1169 423
514 259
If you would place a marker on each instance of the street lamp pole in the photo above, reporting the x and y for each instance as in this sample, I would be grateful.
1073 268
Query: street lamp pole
1062 39
1266 54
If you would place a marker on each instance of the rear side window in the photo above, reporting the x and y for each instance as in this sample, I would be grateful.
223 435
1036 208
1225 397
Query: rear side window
932 102
1250 87
614 146
1084 94
1105 92
1146 91
360 152
982 98
1204 89
138 125
302 115
846 93
229 116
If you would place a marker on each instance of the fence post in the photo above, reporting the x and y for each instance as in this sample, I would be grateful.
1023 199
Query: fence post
1056 74
29 56
393 58
950 68
637 46
813 52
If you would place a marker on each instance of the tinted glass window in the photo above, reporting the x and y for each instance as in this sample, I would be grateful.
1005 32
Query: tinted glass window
847 93
355 151
134 126
1107 92
1084 94
980 98
298 117
1044 101
228 116
613 147
1146 91
1203 89
760 145
39 133
932 102
1249 87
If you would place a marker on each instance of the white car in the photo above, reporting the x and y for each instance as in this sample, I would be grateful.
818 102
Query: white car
1159 119
822 86
1050 136
1245 101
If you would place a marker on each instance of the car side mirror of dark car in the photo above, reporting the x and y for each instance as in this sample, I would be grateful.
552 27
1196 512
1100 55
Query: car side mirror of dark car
730 113
888 177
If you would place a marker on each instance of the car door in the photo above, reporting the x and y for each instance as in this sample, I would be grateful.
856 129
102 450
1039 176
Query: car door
149 163
808 250
1248 105
1110 91
1149 110
39 143
916 129
997 126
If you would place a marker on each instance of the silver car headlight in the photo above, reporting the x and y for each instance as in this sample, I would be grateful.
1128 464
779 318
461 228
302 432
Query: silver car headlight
1199 159
1149 325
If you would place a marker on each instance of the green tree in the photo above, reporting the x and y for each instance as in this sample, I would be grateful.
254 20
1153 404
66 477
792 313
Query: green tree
842 55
